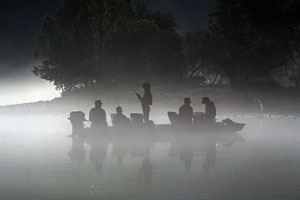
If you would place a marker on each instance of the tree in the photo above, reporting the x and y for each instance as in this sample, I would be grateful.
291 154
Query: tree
196 48
153 48
249 38
292 73
91 41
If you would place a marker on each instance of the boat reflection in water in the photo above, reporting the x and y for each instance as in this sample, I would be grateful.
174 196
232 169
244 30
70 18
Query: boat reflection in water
187 147
184 146
98 153
77 153
41 163
146 168
119 151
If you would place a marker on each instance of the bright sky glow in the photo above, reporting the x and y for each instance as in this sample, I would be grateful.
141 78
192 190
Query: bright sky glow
26 90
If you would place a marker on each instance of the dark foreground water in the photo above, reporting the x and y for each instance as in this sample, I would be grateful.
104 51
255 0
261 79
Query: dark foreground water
39 161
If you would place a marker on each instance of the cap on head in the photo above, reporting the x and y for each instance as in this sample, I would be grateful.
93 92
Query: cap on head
146 86
119 109
205 100
98 103
187 100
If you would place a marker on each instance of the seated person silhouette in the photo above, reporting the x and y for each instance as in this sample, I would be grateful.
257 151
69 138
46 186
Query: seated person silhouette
119 119
186 112
210 110
97 116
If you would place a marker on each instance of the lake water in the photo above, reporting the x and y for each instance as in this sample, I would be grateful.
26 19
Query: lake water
39 161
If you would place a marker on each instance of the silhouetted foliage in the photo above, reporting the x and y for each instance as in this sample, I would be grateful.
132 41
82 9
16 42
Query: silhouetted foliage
247 39
293 73
93 41
196 49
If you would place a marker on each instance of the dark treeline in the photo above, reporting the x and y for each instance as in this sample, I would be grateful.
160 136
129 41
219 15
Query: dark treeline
91 42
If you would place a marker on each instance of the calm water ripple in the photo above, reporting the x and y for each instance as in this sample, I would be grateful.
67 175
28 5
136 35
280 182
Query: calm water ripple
39 161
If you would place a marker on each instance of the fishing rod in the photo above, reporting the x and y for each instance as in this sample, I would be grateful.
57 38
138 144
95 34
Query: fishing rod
117 96
132 89
115 92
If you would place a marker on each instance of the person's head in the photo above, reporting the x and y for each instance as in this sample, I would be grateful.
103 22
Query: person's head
147 86
119 110
98 104
205 100
187 101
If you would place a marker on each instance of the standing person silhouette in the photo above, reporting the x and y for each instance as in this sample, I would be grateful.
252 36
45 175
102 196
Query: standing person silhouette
146 101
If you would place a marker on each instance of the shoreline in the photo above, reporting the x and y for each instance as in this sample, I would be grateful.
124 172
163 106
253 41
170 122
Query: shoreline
259 102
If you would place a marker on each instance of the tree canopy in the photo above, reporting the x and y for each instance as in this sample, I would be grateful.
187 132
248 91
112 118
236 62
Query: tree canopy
93 41
247 39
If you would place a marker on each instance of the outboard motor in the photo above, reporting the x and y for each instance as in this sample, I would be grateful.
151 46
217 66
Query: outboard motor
77 119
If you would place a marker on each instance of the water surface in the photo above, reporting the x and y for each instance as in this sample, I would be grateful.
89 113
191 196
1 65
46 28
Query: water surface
39 161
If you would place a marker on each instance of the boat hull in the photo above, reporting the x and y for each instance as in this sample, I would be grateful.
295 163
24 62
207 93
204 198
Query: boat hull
216 128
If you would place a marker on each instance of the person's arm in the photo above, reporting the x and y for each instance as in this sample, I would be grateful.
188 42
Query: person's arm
139 96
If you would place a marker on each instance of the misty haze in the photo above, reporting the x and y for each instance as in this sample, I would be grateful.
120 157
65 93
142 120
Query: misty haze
131 99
